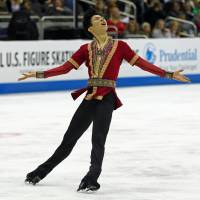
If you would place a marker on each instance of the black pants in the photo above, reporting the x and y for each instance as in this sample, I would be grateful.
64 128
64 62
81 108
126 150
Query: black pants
96 111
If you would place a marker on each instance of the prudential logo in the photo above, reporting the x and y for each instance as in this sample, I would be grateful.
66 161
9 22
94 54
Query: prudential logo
149 52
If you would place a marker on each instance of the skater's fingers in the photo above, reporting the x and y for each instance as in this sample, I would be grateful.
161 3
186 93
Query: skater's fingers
181 70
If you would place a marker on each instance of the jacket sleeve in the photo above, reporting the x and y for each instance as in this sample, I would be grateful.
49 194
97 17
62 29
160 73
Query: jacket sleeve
134 59
146 66
73 63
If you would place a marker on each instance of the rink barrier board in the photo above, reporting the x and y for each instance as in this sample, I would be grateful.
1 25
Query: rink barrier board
46 86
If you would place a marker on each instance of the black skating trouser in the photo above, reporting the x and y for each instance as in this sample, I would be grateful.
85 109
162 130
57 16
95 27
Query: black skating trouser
96 111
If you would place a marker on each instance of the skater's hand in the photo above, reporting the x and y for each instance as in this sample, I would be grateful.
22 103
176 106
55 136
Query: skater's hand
180 77
27 75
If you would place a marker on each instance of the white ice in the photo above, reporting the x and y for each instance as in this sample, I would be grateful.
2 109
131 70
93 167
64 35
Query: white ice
152 150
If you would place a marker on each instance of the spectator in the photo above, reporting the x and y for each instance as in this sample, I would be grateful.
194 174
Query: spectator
196 8
101 8
197 21
154 13
196 11
188 11
174 29
146 29
132 27
175 9
3 8
140 10
186 28
69 4
13 5
56 7
115 3
26 6
21 27
38 8
160 31
114 20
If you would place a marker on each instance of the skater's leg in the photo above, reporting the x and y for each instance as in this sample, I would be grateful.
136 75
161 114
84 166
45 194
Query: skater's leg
78 125
101 123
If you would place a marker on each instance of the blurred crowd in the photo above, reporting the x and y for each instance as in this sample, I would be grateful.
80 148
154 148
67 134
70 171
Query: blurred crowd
37 7
151 18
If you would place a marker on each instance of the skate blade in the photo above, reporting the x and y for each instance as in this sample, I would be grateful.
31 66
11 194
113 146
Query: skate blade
29 183
88 191
33 181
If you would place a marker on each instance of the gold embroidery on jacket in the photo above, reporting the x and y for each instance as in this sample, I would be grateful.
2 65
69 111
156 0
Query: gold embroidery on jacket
134 59
90 58
74 63
99 56
95 64
109 57
94 89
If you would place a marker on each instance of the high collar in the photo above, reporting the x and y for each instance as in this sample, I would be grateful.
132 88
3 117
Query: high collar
101 46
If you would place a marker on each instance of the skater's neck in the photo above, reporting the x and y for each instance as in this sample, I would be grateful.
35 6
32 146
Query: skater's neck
101 40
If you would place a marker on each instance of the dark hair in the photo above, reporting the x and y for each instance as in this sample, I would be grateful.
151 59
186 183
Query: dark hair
87 21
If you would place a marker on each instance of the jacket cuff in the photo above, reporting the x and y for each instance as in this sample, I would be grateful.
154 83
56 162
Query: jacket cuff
169 75
39 74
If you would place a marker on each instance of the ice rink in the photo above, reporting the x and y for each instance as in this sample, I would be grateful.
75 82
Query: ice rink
152 149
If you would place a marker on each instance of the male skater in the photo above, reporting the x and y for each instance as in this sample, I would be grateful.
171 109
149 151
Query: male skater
103 57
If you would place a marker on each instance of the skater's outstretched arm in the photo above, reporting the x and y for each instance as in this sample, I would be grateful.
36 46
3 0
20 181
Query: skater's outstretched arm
145 65
73 63
67 67
134 59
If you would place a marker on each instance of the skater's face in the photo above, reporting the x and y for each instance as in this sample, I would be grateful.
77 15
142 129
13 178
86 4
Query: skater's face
98 25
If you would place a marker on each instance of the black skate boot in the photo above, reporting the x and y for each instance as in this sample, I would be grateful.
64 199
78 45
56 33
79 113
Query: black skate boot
88 185
34 177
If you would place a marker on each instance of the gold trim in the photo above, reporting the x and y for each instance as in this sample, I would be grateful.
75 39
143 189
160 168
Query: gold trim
134 59
74 63
169 75
99 97
89 96
110 55
39 74
94 89
95 82
90 58
105 65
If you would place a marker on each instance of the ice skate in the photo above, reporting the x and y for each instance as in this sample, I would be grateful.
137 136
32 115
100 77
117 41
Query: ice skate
88 186
34 178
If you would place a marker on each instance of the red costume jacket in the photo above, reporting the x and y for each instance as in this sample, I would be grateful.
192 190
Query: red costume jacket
103 65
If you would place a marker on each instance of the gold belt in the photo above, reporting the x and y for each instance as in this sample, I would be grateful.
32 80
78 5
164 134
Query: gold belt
95 82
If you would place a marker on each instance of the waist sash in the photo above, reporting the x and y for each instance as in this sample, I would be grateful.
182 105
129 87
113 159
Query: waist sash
95 82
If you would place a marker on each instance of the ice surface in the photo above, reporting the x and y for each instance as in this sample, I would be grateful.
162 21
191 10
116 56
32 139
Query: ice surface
152 150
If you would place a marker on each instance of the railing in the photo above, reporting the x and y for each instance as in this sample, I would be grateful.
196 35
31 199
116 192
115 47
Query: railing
49 21
8 17
5 19
184 22
131 4
88 2
135 36
67 21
